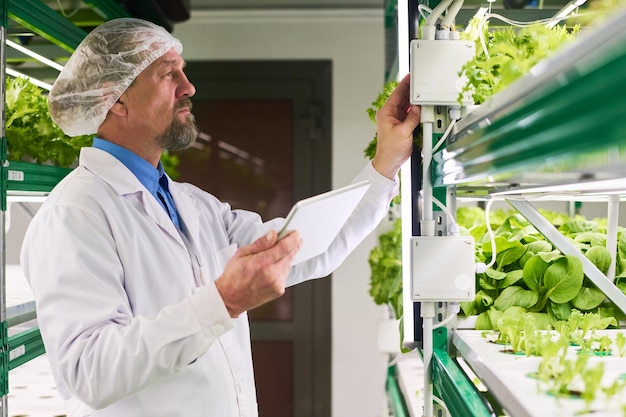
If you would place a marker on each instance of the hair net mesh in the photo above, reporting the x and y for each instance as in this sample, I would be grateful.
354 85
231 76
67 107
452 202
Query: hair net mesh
105 63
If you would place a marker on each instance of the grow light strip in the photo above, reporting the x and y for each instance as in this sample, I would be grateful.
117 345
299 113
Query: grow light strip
35 55
35 81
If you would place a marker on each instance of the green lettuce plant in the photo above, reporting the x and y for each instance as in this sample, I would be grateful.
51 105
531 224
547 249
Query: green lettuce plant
33 136
531 274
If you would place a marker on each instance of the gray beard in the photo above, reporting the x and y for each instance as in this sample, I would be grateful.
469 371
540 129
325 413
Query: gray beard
179 136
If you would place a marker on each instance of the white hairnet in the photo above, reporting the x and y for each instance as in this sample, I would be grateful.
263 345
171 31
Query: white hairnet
103 66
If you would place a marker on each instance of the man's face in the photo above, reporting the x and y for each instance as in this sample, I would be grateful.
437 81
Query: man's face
158 102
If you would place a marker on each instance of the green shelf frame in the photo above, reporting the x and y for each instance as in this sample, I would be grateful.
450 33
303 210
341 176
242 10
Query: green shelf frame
451 384
24 347
108 9
46 22
562 124
395 399
41 19
26 176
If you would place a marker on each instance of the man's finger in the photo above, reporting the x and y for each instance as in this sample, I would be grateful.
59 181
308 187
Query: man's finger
263 243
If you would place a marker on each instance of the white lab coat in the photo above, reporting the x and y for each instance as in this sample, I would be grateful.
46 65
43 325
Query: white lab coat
132 322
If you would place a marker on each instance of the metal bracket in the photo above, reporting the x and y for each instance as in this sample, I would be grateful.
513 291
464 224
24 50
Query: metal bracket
560 242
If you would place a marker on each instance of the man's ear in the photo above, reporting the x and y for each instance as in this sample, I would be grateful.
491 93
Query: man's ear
119 107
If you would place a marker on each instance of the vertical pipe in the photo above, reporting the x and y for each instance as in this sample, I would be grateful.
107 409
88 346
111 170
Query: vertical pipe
427 120
405 183
4 10
407 232
611 233
427 229
428 314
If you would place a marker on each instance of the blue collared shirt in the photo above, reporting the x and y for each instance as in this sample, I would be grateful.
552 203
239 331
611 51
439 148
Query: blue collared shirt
154 179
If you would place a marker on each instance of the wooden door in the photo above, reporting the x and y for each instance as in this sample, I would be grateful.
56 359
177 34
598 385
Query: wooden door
264 144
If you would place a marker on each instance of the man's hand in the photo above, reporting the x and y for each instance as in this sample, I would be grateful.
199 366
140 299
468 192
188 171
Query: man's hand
257 272
395 123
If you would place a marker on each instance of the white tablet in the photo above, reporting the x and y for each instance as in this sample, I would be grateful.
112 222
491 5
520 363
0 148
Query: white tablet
319 219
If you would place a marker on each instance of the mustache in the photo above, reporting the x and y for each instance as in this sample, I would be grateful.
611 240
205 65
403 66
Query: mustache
186 102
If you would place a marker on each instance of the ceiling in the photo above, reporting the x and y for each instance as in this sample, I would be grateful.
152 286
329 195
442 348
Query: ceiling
522 10
327 4
273 4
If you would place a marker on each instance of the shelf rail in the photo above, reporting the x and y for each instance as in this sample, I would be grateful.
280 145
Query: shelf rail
562 123
559 241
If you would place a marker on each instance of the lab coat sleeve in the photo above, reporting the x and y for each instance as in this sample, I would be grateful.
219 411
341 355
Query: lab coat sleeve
96 346
369 212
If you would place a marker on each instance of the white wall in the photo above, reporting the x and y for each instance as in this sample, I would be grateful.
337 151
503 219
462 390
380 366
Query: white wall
353 40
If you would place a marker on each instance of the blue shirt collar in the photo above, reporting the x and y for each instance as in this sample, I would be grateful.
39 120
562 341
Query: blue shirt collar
145 173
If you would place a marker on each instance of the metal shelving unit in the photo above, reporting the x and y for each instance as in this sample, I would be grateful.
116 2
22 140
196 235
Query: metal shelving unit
562 125
557 133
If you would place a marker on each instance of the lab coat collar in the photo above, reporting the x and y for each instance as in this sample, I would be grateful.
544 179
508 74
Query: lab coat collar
125 183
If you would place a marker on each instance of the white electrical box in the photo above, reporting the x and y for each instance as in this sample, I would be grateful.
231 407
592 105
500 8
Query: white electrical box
443 268
435 66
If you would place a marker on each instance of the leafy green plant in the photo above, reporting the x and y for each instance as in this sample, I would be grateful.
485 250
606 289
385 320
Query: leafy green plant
506 54
567 376
31 133
531 274
33 136
376 105
386 267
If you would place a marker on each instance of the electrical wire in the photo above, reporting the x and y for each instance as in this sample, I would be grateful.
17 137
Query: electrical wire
444 137
68 15
454 9
437 12
445 209
490 232
440 402
421 8
516 23
444 321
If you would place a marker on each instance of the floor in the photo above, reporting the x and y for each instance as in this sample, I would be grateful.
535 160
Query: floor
32 391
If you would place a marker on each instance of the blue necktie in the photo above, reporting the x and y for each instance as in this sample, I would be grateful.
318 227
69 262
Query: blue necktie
166 200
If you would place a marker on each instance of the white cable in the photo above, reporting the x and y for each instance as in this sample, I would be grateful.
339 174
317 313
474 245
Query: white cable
453 309
445 136
441 404
437 12
447 21
519 23
444 321
491 237
445 209
512 22
421 8
481 34
68 15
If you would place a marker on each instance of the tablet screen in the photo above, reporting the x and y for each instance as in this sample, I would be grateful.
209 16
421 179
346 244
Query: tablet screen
319 219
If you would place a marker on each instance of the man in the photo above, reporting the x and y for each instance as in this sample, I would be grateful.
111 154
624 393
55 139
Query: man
142 284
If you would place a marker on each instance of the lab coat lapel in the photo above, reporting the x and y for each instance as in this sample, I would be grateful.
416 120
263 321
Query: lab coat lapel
160 217
187 212
124 182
